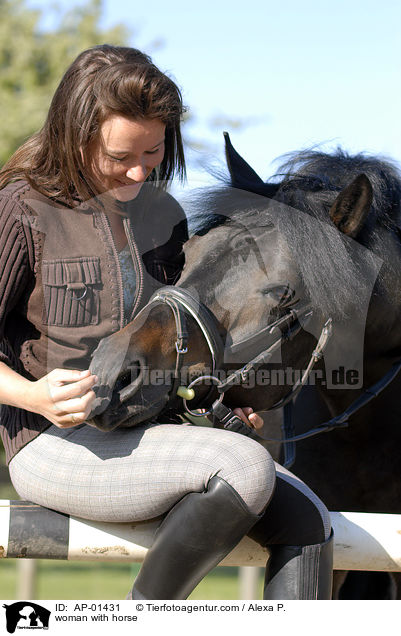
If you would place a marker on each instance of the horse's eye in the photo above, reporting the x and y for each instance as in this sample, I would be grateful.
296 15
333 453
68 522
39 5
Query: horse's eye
281 294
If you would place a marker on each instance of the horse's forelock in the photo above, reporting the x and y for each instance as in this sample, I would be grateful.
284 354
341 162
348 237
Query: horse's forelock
212 207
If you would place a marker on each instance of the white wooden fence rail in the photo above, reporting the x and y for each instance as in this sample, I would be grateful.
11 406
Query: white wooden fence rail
363 541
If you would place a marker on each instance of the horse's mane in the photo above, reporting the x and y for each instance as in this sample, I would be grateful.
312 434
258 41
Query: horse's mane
334 268
311 176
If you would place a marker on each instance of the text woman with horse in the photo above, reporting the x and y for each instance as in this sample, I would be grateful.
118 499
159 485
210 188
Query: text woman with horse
83 246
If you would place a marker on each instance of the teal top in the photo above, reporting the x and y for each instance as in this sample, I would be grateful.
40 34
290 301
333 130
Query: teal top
129 279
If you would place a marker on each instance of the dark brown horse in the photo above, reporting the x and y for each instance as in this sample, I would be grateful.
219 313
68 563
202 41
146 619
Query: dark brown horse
321 242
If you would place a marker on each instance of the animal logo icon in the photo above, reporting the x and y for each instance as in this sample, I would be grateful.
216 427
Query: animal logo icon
25 615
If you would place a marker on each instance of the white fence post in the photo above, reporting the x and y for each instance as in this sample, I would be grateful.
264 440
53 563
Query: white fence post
27 576
248 583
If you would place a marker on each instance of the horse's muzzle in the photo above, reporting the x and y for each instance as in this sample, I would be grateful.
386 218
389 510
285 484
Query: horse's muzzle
115 389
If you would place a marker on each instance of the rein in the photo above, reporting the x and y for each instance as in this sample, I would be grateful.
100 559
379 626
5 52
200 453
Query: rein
341 421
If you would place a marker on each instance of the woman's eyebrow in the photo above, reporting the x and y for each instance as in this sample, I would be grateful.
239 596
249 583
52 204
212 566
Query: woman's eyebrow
126 152
116 152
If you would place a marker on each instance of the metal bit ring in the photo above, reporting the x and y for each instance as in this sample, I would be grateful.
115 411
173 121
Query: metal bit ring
196 381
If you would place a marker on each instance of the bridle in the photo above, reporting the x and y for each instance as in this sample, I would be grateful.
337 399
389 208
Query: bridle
288 326
181 303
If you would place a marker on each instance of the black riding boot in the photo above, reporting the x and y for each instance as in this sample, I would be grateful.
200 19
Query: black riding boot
300 572
195 536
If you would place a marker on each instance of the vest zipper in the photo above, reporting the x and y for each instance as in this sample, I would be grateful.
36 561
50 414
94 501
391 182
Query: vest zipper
107 228
136 259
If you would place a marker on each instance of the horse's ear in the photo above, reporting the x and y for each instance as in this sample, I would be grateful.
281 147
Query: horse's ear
241 173
351 208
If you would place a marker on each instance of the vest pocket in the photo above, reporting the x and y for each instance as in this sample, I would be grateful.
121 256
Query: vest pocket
71 291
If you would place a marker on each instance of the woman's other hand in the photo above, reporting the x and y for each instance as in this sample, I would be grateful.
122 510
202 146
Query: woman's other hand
250 418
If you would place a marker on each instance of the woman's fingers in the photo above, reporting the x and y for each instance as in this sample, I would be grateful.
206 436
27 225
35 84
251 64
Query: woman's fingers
73 388
70 420
63 396
76 405
75 411
256 421
58 377
249 417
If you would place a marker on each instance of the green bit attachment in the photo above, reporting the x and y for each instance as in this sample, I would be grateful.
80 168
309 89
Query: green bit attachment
185 393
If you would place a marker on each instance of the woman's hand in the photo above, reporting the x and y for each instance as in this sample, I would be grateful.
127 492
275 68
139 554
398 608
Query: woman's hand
63 397
250 418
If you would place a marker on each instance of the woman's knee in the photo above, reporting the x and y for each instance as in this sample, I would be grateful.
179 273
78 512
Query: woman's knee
249 468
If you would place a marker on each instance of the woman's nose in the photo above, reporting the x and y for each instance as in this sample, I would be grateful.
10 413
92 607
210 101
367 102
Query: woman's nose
137 172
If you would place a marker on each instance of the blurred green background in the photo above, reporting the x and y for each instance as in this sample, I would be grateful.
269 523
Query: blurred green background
61 580
33 61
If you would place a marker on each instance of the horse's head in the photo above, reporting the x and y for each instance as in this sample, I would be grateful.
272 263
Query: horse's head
259 252
268 249
136 366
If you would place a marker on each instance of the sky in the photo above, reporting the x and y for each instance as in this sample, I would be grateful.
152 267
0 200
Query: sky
278 76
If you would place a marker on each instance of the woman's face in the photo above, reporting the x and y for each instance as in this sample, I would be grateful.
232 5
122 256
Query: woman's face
124 155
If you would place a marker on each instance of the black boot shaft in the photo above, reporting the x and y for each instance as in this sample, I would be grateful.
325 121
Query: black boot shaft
195 536
300 572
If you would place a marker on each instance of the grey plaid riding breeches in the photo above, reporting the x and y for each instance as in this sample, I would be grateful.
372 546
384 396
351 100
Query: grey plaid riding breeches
139 473
133 474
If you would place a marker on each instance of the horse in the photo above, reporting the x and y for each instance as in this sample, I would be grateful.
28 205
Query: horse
300 272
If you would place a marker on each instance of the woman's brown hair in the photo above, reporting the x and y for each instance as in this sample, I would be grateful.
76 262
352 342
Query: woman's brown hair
102 80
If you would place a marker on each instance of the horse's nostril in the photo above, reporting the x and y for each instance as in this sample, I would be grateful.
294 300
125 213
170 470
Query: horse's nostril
129 375
130 379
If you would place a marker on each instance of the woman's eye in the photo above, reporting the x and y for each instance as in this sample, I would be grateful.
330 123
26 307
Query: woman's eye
153 152
116 158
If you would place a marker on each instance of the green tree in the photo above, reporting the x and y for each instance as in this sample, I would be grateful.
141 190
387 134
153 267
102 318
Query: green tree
33 60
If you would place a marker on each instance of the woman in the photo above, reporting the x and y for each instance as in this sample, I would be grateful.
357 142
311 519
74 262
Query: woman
78 255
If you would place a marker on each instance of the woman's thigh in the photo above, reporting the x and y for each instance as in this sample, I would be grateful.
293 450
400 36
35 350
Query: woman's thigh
137 473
